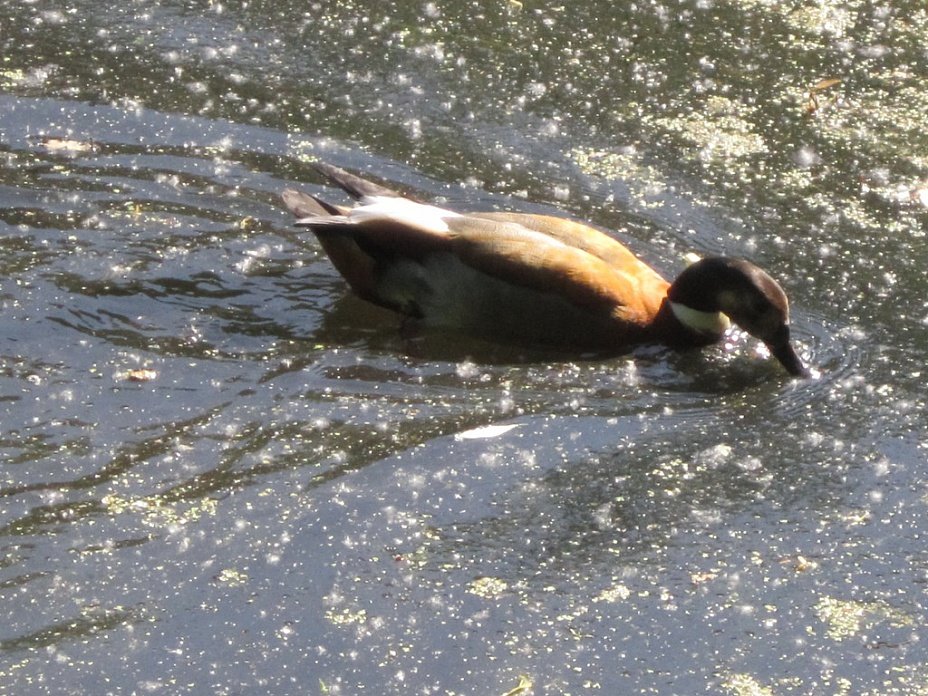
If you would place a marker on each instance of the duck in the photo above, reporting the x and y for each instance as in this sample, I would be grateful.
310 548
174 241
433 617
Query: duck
533 278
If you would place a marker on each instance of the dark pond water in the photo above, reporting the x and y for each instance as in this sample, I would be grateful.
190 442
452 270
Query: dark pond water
219 474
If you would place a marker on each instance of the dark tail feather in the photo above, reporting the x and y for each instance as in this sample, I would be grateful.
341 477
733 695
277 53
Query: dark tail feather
353 185
303 205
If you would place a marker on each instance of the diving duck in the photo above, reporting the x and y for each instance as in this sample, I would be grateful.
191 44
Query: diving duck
534 278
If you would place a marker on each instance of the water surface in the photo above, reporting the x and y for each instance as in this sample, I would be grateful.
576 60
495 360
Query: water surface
219 473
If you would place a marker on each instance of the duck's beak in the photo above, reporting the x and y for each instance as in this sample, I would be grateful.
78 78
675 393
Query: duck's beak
786 354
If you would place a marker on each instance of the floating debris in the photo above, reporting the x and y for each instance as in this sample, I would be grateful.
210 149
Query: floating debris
346 617
140 375
231 577
525 684
745 685
846 618
66 145
485 432
616 593
813 104
487 587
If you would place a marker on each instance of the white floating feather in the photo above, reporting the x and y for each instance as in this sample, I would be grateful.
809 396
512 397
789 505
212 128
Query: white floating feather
485 432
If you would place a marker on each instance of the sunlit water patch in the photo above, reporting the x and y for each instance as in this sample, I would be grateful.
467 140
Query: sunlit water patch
212 456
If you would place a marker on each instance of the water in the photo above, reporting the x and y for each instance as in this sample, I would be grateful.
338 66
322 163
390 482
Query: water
221 474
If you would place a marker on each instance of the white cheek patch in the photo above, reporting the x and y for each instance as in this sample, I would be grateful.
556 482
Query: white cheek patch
402 211
714 323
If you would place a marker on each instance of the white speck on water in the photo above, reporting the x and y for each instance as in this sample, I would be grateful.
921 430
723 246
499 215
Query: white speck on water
806 157
467 370
223 144
54 17
152 685
491 460
435 51
333 599
262 251
707 517
51 497
602 516
813 439
853 334
550 129
485 432
528 458
628 375
506 404
882 466
750 464
714 456
413 128
536 89
175 529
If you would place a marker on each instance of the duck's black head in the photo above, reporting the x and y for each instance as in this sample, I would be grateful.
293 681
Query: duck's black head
744 293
